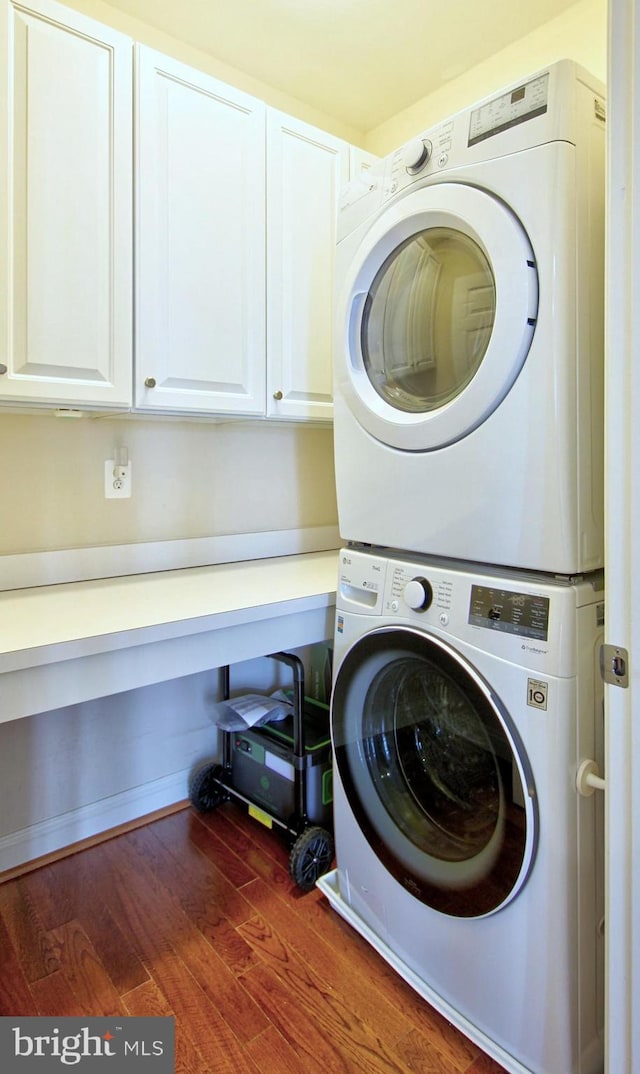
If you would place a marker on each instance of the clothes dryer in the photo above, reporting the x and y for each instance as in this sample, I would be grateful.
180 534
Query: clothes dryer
463 705
468 358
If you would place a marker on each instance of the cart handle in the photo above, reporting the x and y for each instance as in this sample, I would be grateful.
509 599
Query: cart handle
296 665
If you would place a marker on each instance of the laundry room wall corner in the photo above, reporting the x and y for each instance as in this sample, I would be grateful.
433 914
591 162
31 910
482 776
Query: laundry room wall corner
579 33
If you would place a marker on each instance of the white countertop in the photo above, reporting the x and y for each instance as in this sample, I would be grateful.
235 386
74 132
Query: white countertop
35 619
69 625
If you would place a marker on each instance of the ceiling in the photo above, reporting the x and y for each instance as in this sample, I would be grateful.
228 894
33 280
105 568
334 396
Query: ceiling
359 61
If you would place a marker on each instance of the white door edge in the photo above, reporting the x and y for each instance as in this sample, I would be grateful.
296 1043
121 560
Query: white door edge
622 841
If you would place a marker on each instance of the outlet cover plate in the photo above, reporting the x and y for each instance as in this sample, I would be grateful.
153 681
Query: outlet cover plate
117 487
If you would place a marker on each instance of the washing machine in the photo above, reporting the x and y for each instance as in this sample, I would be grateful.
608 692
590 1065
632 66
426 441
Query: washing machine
464 703
468 353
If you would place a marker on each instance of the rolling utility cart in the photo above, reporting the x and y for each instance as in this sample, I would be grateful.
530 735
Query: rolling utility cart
282 772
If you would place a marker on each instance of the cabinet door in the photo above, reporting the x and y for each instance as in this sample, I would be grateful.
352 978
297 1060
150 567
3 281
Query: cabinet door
200 234
65 212
305 168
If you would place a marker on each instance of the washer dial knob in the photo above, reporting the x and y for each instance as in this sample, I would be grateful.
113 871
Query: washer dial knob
415 154
418 594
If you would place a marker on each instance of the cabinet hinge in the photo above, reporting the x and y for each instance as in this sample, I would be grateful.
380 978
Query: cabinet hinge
614 665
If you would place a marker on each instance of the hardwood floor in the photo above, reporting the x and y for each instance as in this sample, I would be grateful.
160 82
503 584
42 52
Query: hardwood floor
196 915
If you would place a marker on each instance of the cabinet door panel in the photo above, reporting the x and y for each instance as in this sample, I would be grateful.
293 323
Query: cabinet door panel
305 169
200 323
66 261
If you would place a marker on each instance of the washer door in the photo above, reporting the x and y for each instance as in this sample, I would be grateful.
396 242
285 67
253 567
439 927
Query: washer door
437 316
434 772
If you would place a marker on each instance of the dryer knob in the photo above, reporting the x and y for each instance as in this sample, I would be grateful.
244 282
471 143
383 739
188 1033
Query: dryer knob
418 594
415 154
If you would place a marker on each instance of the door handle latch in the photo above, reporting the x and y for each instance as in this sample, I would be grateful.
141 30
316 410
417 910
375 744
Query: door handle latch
588 779
614 665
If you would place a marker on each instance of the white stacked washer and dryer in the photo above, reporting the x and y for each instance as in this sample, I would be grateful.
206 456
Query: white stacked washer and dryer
470 605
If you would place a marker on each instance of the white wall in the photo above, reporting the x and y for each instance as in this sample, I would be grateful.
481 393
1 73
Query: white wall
70 773
148 35
190 479
580 34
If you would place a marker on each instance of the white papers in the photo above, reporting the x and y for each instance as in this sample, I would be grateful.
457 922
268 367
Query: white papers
251 710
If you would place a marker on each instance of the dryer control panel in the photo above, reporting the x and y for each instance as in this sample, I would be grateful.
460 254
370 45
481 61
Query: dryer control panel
509 109
470 135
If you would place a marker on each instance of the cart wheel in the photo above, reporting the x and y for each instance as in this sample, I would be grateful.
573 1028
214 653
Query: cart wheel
310 857
205 793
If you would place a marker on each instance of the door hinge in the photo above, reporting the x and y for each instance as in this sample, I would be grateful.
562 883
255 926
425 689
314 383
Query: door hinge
614 665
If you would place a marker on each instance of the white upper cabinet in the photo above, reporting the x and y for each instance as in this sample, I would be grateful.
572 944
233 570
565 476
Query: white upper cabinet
232 207
305 170
200 242
65 208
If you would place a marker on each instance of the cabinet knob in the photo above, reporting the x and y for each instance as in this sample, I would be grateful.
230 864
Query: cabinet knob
277 395
3 369
150 382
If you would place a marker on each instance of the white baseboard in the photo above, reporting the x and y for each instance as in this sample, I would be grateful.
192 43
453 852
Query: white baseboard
56 834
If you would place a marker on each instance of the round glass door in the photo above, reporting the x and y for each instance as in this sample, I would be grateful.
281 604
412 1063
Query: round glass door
436 317
434 773
428 320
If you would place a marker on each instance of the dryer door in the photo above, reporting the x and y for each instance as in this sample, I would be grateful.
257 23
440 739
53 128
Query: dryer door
437 316
434 772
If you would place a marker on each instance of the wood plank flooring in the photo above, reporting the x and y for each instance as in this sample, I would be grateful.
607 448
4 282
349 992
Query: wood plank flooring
196 915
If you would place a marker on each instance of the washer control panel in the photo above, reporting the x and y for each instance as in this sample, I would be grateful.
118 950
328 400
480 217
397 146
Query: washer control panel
361 581
505 610
409 590
418 594
531 621
435 597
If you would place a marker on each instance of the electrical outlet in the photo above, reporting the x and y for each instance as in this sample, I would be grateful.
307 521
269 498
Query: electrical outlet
117 480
